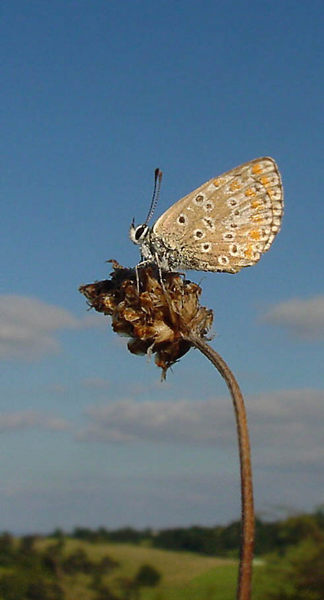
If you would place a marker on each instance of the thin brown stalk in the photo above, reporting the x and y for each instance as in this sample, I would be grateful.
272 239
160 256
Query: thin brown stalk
247 523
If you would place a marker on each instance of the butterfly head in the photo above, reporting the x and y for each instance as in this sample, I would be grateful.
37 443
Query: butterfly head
138 233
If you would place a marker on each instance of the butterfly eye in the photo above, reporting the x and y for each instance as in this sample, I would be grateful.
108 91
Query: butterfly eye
140 232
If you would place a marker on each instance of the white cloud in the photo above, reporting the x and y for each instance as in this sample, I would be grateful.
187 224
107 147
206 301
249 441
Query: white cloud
166 421
302 318
285 427
147 484
28 326
28 419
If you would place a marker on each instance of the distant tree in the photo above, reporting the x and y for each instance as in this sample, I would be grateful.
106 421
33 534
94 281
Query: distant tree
267 536
107 564
295 529
230 537
57 534
44 590
27 544
24 585
84 533
105 593
101 568
27 558
147 576
7 550
125 534
13 586
77 561
297 575
129 590
52 558
319 516
102 535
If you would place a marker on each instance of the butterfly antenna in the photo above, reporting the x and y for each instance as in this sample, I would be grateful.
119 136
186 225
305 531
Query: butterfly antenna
155 195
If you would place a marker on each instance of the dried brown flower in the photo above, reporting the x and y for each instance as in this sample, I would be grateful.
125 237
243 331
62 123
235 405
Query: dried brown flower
157 315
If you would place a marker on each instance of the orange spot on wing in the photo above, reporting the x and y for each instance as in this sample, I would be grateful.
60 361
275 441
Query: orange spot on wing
250 192
217 182
256 218
235 185
256 168
256 204
265 181
255 234
249 251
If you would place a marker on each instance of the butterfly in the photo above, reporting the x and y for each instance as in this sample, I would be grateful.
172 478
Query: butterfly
224 225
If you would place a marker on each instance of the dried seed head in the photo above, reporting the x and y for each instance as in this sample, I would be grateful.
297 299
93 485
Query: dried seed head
155 314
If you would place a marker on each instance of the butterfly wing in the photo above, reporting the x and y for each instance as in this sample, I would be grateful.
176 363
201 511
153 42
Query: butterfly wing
228 222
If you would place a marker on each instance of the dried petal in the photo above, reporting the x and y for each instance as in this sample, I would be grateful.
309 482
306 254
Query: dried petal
156 314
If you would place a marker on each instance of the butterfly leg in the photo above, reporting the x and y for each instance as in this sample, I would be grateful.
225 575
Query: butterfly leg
137 279
140 264
160 271
144 262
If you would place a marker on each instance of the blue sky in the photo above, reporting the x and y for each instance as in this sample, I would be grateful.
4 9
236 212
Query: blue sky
98 94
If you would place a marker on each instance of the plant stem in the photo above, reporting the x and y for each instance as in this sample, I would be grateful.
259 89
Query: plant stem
247 510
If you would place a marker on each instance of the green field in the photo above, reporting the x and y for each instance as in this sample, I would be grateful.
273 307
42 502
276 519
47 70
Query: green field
185 576
59 567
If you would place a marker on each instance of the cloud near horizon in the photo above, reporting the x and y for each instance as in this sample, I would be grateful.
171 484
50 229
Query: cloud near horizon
28 326
285 427
302 318
28 419
181 421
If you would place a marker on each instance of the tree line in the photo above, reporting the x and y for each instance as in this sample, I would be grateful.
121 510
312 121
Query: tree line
217 540
38 568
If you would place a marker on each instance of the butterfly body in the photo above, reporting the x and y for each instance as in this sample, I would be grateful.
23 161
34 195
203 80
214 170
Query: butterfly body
224 225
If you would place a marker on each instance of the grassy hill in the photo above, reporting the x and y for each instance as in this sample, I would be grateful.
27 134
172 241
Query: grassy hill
65 568
185 576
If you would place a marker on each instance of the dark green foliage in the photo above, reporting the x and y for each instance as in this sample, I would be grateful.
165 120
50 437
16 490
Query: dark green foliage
43 590
319 517
103 567
218 540
30 585
13 586
6 549
204 540
27 544
296 575
106 564
126 534
104 593
52 558
86 534
37 574
129 590
27 578
224 541
295 529
147 576
267 536
77 562
101 535
57 534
